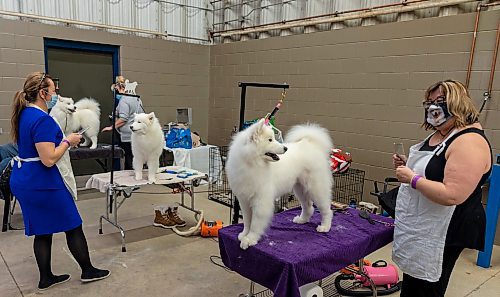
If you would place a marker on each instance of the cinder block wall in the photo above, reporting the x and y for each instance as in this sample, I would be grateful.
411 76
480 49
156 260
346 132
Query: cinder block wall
170 74
365 84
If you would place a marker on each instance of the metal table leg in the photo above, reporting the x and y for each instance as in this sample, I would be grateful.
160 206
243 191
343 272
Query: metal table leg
251 292
112 198
189 189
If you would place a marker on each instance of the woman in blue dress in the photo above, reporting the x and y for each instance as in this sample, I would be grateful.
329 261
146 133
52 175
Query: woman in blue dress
39 181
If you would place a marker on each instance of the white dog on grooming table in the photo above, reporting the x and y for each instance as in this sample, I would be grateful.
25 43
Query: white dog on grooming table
260 170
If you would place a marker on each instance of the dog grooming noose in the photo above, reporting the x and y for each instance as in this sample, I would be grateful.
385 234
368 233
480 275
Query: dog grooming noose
268 117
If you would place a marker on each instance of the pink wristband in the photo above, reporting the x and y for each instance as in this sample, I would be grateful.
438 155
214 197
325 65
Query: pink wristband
69 144
414 180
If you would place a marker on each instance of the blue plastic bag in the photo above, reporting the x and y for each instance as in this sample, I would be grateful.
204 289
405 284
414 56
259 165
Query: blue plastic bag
179 138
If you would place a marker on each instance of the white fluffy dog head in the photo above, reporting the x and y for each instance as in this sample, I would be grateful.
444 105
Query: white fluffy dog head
65 104
262 137
143 122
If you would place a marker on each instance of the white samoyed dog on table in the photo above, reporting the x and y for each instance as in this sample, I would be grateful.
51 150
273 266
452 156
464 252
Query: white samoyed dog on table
74 117
147 144
260 170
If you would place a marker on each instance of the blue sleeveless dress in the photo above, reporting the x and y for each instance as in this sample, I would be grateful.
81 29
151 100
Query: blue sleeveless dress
46 203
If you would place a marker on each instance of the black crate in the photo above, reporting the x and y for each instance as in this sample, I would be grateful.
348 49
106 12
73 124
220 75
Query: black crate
348 186
218 186
286 202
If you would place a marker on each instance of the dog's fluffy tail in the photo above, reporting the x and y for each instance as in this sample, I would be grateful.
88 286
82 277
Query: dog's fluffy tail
89 103
312 132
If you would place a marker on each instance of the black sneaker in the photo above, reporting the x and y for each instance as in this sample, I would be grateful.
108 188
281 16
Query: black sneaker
55 280
95 275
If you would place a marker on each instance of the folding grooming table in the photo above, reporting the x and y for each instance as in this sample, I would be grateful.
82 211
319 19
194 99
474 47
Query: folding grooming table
125 184
101 152
292 255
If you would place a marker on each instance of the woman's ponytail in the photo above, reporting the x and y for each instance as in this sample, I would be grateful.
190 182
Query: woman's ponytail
18 104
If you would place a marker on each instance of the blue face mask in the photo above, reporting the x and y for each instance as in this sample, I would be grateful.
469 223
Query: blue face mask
52 102
118 97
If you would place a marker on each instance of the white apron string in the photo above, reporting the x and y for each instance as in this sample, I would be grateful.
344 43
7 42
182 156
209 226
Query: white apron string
20 160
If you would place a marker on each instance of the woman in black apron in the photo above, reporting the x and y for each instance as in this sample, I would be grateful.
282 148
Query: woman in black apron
438 209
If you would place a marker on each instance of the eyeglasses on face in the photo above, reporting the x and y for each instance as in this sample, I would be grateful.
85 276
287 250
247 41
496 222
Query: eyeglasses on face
439 100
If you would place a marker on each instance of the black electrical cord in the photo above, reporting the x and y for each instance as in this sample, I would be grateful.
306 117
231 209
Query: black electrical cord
218 264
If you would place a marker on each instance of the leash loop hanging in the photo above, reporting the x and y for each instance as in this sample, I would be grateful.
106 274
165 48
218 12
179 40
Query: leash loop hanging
276 108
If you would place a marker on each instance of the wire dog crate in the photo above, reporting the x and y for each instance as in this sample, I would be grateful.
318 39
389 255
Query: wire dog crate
347 186
218 186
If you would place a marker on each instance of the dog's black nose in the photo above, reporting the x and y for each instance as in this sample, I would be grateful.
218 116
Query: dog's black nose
285 148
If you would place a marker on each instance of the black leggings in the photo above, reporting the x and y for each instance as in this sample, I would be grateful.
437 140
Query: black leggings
77 244
127 148
414 287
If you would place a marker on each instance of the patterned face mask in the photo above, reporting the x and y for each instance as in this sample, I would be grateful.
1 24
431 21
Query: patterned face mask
437 114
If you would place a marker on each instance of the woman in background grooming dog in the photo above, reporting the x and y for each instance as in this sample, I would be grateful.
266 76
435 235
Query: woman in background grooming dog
127 107
43 181
438 208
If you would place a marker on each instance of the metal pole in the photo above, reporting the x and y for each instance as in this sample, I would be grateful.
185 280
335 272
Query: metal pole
164 34
243 86
113 133
73 22
236 205
113 118
494 61
334 17
242 106
473 46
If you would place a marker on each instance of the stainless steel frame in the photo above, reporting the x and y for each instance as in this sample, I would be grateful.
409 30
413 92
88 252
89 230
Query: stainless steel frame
116 196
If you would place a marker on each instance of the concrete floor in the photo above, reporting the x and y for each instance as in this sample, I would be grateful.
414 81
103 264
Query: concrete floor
161 263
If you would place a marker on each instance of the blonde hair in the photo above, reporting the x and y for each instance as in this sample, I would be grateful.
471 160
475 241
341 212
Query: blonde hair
119 82
35 82
458 101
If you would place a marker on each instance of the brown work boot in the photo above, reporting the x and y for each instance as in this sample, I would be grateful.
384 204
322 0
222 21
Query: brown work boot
173 215
162 219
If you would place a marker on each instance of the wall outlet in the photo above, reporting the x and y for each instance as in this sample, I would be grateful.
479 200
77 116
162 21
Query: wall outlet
1 131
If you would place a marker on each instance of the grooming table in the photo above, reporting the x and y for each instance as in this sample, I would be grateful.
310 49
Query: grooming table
125 184
292 255
100 152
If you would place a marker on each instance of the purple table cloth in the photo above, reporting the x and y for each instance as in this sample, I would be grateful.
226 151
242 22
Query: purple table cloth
292 255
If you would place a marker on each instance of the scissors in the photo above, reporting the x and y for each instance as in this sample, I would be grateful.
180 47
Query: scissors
82 131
